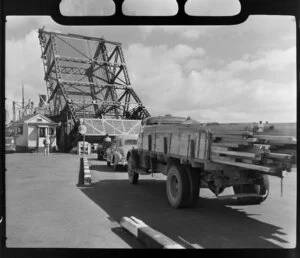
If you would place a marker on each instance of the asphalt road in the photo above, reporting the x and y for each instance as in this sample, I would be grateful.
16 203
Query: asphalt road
45 208
212 223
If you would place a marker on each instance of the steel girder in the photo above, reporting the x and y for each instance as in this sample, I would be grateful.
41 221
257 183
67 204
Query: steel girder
88 77
21 109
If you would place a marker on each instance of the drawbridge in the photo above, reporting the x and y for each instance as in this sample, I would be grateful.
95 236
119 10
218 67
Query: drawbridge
87 77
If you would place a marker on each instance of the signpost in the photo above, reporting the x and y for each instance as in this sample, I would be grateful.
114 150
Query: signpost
82 129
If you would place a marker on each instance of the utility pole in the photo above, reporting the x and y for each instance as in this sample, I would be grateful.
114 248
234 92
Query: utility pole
14 111
84 123
23 96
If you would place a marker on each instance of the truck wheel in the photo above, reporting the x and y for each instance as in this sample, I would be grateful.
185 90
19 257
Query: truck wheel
261 187
133 177
194 182
178 187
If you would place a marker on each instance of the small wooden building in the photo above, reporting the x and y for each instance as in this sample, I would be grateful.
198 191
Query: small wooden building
31 130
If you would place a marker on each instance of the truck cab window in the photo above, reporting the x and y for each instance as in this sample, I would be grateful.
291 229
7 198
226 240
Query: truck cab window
51 131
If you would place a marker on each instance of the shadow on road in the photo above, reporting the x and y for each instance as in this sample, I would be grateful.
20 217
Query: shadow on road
95 159
101 168
105 168
209 225
128 238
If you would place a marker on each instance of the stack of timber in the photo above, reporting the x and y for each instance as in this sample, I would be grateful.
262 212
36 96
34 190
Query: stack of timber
270 151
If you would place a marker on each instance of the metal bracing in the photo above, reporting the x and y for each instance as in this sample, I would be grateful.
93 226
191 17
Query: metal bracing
88 75
21 109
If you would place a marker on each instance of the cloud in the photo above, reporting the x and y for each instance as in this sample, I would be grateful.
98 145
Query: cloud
23 64
87 7
275 60
212 7
197 77
107 7
150 8
19 26
168 81
190 33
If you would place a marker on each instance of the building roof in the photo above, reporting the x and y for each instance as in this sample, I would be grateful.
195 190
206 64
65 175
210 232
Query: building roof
25 118
28 117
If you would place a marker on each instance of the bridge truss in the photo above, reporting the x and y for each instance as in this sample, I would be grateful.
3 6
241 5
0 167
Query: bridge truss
87 77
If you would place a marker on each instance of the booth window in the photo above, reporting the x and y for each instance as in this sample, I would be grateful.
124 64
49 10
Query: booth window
51 131
42 131
20 130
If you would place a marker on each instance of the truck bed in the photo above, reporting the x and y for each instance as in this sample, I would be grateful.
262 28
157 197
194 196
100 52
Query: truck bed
240 145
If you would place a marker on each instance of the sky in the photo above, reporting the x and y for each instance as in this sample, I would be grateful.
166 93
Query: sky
240 73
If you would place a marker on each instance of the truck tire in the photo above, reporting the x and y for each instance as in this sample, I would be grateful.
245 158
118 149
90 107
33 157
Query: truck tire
261 187
178 186
194 182
132 163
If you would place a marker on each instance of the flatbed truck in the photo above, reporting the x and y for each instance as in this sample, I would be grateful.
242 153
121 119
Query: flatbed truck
194 155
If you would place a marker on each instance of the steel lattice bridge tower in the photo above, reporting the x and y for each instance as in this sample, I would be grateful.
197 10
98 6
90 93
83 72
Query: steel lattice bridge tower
87 77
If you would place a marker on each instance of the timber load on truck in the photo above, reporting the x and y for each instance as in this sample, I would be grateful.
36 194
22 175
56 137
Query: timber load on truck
215 156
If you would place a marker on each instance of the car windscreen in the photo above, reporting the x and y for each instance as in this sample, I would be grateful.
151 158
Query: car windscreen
130 142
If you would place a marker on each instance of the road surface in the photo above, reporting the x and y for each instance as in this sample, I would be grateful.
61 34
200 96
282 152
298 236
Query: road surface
45 208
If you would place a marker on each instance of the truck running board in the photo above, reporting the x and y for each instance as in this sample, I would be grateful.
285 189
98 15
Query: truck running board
240 196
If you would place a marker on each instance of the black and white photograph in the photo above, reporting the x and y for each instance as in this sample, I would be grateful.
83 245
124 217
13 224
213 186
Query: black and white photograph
151 136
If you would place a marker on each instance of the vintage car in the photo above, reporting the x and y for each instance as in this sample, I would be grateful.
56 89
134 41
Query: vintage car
103 146
117 153
101 152
10 145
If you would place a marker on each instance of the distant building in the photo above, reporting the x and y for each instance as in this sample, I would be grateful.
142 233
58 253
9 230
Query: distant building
31 130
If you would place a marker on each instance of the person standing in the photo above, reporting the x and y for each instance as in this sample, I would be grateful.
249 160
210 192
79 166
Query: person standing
46 145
